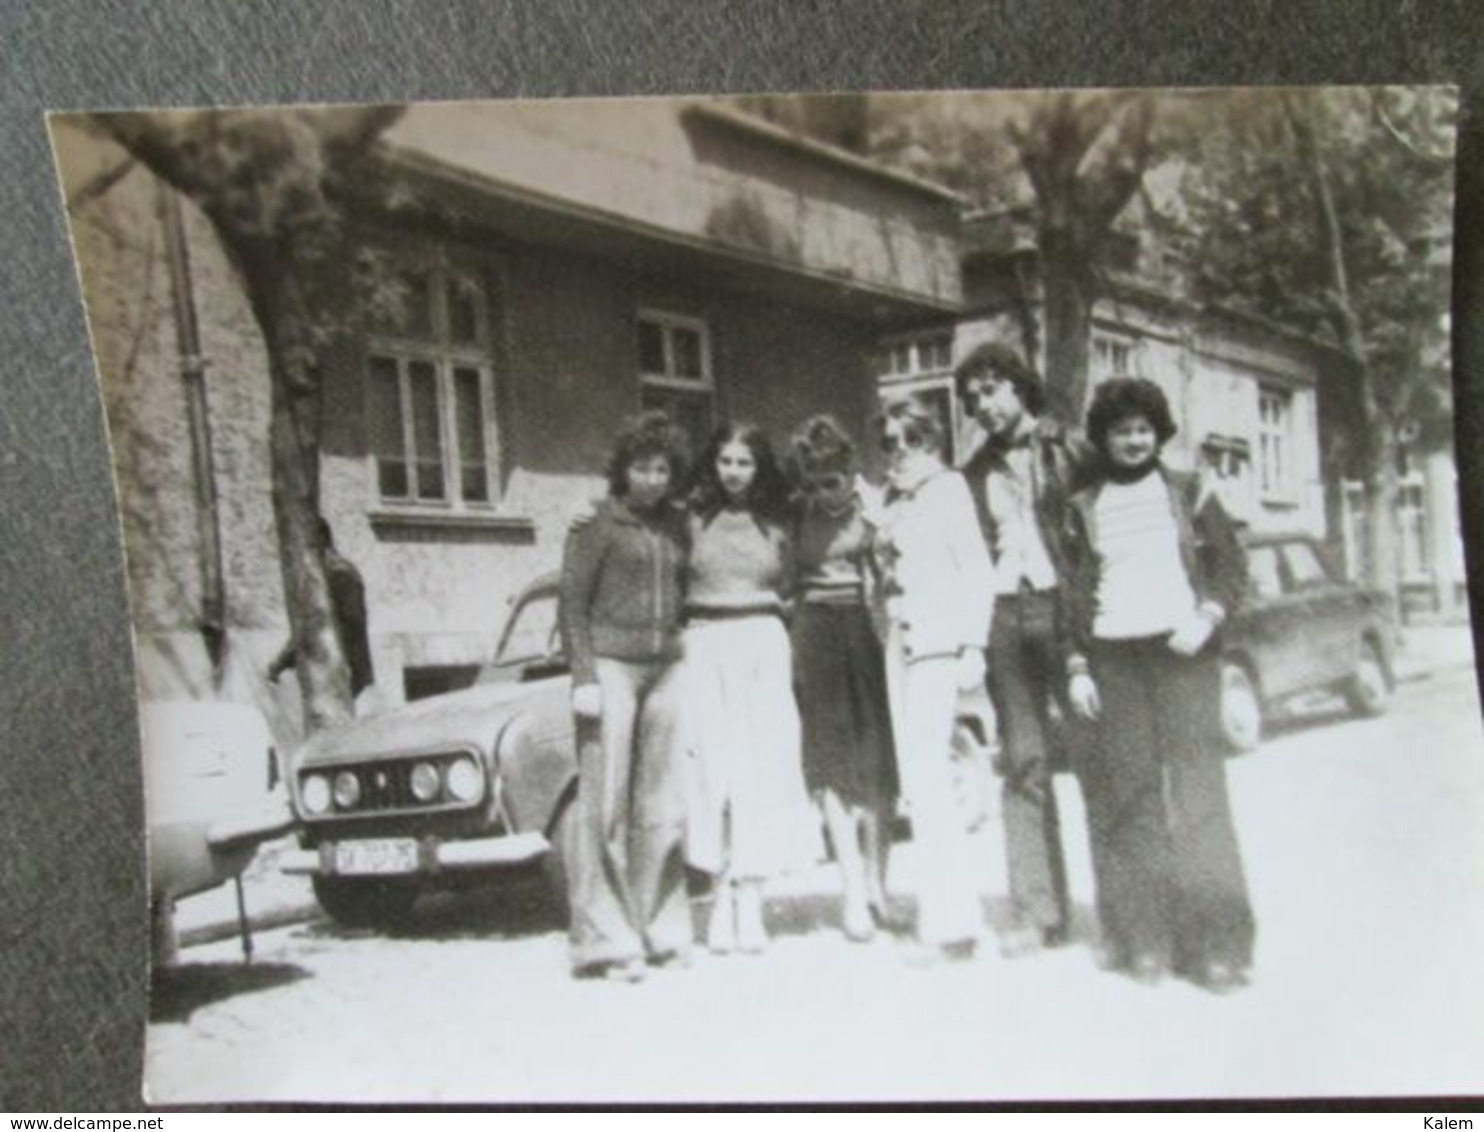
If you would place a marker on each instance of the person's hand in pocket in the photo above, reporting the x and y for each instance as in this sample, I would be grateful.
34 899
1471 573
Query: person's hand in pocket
1083 692
587 701
1191 636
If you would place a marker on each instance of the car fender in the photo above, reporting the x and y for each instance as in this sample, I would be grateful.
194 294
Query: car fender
535 771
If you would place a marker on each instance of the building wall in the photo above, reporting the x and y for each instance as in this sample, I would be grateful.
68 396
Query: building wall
119 241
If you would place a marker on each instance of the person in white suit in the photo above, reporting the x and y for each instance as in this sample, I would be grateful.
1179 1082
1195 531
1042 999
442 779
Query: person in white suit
939 591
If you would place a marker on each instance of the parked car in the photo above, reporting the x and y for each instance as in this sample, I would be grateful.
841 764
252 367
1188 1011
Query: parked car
213 794
1302 631
447 791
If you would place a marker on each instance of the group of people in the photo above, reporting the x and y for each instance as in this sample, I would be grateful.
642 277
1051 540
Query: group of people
765 648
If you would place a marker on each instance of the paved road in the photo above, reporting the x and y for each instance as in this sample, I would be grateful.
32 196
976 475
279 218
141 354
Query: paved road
1365 852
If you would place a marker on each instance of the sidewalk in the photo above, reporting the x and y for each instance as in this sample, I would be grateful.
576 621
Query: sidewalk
1426 649
274 898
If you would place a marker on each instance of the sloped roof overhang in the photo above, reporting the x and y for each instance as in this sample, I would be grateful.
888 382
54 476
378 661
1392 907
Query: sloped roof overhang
445 195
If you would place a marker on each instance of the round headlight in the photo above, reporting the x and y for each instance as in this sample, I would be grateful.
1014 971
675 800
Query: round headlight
314 792
465 780
347 789
426 782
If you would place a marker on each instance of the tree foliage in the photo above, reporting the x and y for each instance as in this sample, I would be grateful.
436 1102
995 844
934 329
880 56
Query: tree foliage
1377 252
1073 160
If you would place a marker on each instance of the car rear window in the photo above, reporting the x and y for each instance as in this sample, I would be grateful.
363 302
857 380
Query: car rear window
532 631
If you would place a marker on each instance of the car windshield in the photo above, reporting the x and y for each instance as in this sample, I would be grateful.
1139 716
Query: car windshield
532 632
1304 567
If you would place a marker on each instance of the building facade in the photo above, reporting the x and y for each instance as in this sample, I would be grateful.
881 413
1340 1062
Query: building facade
555 267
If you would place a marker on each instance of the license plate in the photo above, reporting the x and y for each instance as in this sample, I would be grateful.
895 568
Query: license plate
376 857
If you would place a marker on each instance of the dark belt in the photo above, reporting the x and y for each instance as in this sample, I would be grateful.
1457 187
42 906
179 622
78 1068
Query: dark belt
730 613
1025 589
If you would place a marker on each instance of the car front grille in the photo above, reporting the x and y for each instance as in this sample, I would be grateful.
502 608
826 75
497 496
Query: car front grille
385 787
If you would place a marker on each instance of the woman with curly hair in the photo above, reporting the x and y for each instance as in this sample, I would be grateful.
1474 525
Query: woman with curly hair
1154 568
839 672
749 816
620 613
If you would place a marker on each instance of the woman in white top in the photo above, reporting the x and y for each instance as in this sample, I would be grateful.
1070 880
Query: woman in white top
940 593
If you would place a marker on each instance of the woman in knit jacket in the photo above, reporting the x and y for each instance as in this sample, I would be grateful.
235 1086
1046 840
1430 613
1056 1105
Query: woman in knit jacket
621 607
1153 571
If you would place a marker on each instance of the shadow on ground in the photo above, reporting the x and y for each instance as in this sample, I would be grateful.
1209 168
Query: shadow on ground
495 912
178 991
808 914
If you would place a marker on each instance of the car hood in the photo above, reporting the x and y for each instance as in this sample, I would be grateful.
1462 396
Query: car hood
470 718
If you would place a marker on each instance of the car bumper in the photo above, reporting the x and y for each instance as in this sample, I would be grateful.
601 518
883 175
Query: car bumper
260 825
432 855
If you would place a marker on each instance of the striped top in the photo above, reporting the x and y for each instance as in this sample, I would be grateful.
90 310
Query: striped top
833 552
1142 587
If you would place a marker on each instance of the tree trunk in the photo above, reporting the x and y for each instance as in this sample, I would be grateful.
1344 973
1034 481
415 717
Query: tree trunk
1068 294
1381 484
1379 437
276 290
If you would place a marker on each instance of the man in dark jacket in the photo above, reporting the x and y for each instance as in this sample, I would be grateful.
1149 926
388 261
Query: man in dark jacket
348 604
1020 479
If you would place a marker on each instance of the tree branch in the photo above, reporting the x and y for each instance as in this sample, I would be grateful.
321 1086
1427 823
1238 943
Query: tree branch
99 184
1430 162
1109 195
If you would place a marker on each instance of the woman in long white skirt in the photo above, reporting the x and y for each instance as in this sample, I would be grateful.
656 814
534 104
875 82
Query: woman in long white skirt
749 817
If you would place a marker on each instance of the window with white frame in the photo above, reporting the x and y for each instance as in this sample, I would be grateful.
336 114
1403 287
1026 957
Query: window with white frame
675 374
431 390
1111 357
913 358
922 364
1411 520
1275 443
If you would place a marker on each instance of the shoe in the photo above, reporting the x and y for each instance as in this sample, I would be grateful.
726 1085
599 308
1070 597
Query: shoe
858 924
932 956
1020 942
959 951
673 960
1148 970
887 920
1219 977
721 931
615 970
752 934
626 971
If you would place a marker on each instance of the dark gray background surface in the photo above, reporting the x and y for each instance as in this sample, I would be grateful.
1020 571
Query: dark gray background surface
73 962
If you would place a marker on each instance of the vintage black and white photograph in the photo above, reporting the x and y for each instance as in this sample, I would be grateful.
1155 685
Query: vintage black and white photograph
850 597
